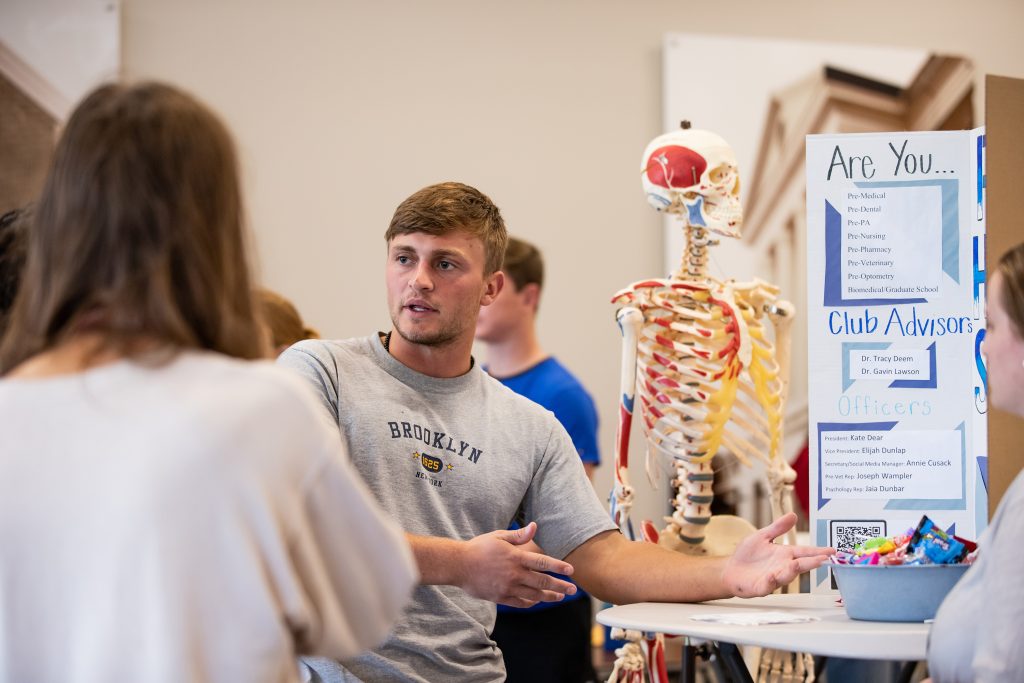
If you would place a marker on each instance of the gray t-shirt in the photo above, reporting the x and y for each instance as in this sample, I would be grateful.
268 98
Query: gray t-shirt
452 458
979 627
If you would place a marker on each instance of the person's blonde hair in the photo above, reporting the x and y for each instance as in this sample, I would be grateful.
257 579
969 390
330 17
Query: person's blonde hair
283 320
138 232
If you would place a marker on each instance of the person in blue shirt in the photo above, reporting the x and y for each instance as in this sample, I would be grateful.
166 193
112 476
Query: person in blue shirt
551 640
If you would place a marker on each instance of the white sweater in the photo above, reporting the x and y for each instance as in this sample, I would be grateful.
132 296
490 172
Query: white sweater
192 522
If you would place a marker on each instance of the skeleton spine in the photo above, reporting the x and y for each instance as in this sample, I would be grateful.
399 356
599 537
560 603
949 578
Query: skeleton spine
695 257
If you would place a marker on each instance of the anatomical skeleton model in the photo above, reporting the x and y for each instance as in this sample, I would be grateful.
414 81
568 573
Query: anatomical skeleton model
696 352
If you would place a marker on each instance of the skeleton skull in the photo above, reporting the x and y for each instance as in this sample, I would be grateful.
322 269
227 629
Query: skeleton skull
693 173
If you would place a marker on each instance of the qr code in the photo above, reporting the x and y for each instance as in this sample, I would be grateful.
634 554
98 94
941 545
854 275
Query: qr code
845 534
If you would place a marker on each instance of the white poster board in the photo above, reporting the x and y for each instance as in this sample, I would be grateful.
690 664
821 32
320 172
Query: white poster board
895 254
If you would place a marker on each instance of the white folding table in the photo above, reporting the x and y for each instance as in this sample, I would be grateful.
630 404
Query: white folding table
833 634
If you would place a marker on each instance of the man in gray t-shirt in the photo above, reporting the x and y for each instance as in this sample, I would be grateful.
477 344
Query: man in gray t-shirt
454 456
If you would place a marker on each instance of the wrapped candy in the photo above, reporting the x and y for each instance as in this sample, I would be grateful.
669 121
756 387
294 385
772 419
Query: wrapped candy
935 544
924 544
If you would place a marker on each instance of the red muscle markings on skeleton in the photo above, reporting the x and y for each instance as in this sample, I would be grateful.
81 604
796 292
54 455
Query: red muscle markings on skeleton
675 167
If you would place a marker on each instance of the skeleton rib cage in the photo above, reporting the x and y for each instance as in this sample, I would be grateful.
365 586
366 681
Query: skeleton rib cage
706 377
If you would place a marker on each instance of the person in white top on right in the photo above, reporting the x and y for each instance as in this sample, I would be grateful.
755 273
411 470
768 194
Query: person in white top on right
170 510
978 629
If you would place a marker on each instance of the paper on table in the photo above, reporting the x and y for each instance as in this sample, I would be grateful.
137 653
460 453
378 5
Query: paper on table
753 618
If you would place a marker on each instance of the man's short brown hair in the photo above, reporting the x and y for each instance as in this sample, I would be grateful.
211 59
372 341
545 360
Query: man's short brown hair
443 208
523 264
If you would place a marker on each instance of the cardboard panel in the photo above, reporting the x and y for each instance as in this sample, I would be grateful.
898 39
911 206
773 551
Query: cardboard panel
27 137
1004 111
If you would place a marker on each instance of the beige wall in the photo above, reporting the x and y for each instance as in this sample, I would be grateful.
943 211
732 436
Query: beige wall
343 108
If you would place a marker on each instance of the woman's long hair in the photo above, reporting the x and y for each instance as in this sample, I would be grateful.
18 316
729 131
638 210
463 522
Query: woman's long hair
138 233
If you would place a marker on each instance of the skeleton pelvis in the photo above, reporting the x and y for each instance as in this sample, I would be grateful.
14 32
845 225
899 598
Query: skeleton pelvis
723 534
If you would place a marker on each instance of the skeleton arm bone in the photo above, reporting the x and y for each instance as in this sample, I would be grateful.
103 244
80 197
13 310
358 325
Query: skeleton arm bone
629 319
782 476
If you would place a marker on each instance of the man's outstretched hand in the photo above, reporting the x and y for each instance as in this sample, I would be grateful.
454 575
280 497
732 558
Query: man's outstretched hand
497 566
759 566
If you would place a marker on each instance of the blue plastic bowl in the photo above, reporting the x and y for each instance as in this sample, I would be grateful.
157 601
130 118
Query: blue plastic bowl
895 593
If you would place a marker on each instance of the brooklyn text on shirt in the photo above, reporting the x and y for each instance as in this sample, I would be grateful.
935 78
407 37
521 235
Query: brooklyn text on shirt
434 438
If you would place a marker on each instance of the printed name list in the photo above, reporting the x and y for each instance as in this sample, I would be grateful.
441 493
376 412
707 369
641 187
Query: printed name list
889 246
892 465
